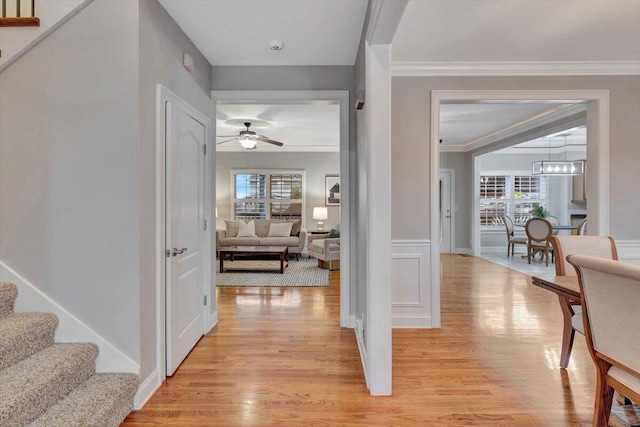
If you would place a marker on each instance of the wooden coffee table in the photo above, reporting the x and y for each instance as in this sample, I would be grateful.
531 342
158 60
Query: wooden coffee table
255 252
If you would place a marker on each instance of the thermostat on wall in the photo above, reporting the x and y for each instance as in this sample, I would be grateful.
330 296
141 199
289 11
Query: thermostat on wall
187 61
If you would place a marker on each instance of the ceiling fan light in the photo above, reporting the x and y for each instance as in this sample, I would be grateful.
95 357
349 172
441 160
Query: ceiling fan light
248 143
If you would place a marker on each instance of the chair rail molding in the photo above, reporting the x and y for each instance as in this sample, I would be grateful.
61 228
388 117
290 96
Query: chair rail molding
410 287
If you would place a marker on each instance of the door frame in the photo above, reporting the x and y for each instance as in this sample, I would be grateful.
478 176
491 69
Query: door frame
164 95
452 197
597 102
342 97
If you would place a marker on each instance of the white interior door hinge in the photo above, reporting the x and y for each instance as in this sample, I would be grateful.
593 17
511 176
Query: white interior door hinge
205 149
205 300
205 225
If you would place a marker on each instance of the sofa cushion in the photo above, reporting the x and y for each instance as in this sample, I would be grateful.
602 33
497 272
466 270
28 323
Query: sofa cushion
296 227
239 241
334 247
279 241
232 227
247 229
317 247
280 230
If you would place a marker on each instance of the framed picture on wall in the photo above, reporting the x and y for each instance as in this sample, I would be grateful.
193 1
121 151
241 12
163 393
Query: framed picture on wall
332 190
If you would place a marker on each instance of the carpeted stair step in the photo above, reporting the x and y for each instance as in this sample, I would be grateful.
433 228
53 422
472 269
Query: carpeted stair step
28 388
8 294
104 400
25 334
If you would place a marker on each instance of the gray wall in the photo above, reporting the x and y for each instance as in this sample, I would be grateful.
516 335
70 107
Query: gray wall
315 165
463 168
162 44
411 130
69 159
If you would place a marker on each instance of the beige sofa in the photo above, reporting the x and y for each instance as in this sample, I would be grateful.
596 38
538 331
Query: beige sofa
295 243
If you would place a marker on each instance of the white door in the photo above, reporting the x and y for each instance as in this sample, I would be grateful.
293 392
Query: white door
184 234
445 211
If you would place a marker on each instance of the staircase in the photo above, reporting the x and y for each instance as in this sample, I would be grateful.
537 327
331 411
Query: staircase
43 383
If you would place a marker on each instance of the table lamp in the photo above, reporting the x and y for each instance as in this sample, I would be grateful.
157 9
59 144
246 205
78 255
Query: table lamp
320 213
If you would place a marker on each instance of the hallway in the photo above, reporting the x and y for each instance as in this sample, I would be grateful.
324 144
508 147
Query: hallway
278 358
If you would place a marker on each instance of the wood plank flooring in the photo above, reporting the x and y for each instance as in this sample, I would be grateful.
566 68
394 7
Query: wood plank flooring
279 358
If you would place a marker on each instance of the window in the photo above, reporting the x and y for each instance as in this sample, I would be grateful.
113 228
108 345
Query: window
514 195
267 194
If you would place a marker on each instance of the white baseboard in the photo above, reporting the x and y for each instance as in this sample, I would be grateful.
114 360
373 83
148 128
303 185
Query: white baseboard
463 251
70 328
412 321
629 251
363 356
213 321
146 389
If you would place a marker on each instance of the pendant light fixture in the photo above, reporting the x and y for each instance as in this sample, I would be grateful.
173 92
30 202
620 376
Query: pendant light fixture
558 167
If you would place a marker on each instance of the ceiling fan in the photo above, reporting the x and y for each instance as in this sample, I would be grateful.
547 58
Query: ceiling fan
248 138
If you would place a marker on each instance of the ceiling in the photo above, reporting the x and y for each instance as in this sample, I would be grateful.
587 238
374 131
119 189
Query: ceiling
518 30
327 32
307 127
239 32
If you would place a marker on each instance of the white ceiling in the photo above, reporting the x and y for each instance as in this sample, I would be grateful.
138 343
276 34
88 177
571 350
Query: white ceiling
239 32
464 124
327 32
519 30
304 127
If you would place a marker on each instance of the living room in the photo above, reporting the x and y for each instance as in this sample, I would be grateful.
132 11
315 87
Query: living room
290 173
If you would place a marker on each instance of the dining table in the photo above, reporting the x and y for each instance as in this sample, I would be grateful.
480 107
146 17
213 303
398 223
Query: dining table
568 290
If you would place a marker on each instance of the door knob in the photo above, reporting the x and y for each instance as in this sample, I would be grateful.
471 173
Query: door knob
176 251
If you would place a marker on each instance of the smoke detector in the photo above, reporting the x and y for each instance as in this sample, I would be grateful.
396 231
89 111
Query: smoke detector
276 46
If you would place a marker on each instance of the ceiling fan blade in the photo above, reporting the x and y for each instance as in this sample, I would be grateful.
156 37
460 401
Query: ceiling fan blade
226 136
226 140
268 141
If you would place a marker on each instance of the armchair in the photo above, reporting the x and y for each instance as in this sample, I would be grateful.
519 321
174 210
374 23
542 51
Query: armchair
326 250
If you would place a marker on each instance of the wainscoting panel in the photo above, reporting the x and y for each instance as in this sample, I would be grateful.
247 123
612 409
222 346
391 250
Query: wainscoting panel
410 271
629 251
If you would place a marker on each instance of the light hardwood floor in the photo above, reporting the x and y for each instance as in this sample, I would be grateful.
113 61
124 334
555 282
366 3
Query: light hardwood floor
279 358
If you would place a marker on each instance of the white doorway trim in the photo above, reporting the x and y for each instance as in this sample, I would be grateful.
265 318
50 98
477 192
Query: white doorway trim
164 95
452 201
310 96
597 152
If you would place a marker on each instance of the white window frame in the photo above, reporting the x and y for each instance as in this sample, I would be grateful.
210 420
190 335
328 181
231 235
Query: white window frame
511 201
268 200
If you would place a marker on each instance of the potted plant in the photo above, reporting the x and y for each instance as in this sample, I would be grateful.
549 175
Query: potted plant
540 212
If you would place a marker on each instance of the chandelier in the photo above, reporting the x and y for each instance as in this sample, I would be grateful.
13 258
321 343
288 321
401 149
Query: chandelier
558 167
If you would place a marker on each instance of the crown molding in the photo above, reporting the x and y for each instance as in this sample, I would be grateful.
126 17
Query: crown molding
564 68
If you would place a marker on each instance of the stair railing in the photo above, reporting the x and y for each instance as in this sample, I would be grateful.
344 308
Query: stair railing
18 13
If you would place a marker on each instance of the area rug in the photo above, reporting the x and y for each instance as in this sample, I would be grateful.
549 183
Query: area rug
304 272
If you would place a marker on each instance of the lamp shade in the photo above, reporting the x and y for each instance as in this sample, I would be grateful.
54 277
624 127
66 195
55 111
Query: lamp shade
248 143
320 213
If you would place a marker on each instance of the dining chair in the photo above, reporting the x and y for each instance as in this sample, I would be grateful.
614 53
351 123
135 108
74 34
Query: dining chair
610 299
538 232
553 221
582 227
603 247
512 241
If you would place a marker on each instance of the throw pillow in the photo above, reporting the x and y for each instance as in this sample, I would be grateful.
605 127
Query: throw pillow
232 228
247 229
280 230
296 226
334 233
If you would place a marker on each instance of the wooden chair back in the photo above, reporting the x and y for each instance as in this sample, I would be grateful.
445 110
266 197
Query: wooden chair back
597 246
610 300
